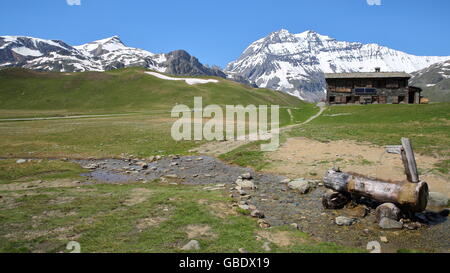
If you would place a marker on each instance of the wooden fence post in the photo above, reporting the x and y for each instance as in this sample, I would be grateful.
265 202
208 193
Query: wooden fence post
409 161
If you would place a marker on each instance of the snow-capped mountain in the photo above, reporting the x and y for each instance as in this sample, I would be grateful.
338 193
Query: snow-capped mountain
435 80
34 53
296 63
113 54
101 55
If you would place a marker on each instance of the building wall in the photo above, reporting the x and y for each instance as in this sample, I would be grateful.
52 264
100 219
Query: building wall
341 91
345 85
381 96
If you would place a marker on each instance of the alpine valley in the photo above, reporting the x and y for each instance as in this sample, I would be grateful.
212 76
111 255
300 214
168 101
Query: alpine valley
293 63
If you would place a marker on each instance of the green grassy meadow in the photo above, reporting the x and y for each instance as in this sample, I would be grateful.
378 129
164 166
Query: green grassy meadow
145 100
30 93
44 203
428 127
152 217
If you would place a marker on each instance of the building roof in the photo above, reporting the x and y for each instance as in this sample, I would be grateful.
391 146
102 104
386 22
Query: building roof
365 75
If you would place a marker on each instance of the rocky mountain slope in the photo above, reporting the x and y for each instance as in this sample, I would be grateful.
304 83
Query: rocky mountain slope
296 63
39 54
101 55
435 80
293 63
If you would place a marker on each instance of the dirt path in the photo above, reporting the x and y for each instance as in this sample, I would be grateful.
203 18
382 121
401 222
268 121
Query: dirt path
217 148
322 108
67 117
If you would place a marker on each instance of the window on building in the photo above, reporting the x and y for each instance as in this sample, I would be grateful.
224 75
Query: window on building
344 86
403 83
365 91
365 83
332 86
392 83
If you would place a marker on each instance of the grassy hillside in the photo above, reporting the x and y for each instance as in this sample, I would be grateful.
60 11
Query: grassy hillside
34 93
26 93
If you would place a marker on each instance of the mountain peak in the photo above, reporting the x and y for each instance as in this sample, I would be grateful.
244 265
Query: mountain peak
102 46
111 40
310 32
313 35
281 35
282 31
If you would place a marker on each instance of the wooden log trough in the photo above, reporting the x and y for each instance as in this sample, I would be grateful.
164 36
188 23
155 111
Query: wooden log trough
410 195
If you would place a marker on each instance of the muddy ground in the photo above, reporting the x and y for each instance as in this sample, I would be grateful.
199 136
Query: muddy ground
303 157
281 205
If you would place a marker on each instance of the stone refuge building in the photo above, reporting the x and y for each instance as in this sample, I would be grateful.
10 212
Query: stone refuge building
371 88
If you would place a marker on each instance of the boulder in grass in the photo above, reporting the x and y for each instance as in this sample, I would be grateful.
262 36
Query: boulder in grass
387 210
244 207
245 184
143 165
344 221
192 245
301 185
437 199
247 176
257 214
386 223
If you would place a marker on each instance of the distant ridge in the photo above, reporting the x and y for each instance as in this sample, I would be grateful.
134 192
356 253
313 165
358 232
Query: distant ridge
102 55
296 63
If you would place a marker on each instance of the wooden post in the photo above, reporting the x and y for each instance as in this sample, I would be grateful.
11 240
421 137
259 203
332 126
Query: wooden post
413 196
409 161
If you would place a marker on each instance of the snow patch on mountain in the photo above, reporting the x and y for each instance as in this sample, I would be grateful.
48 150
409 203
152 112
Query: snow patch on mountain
189 81
24 51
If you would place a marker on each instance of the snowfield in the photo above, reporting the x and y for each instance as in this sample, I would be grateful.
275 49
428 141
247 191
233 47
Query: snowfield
27 52
190 81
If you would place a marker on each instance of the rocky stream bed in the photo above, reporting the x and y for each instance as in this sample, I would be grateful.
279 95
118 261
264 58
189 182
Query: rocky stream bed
279 201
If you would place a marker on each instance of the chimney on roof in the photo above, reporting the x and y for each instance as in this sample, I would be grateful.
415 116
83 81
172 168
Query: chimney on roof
377 69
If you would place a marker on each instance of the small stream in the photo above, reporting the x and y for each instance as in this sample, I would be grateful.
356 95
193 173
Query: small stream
281 205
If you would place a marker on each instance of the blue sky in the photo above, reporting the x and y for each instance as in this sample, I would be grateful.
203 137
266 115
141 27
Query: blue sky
218 31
